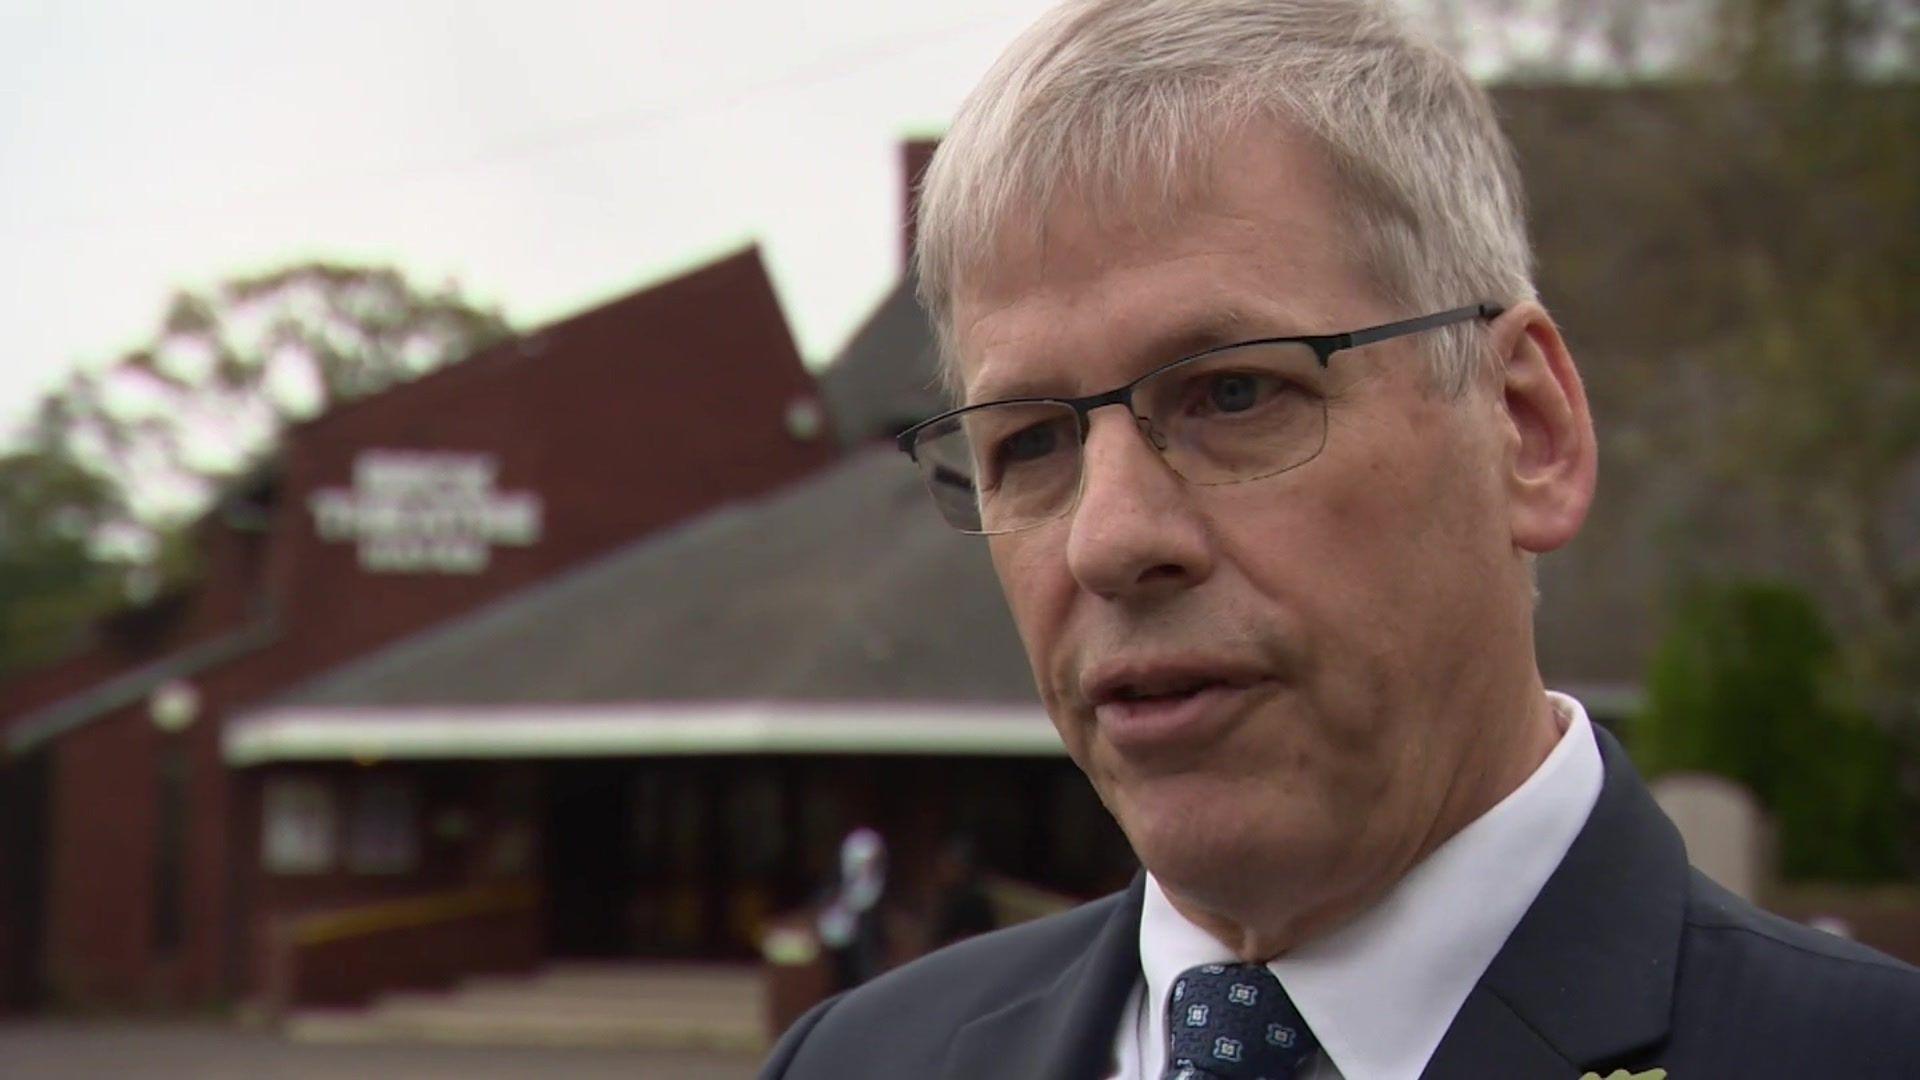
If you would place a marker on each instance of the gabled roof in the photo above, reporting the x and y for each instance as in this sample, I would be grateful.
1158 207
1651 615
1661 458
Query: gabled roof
888 375
843 587
607 417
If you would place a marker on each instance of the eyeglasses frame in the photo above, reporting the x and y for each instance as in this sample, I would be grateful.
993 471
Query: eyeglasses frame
1323 346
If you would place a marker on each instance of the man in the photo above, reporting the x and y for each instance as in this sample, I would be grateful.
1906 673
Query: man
1264 427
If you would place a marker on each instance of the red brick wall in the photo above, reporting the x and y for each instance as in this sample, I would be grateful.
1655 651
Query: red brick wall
101 859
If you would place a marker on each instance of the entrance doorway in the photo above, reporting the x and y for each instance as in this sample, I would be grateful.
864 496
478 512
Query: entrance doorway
681 857
589 859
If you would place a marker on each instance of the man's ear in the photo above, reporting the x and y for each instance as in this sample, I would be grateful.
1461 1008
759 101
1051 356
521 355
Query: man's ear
1552 459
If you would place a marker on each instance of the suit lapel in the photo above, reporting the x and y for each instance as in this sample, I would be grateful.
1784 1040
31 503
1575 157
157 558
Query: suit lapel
1587 977
1065 1029
1489 1039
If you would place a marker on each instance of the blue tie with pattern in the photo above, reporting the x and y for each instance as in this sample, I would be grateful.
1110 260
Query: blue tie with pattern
1234 1022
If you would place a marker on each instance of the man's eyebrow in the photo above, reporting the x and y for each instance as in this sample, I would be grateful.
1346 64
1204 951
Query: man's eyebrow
1208 330
1204 329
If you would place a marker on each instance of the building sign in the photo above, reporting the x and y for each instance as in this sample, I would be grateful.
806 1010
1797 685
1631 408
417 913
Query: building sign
425 512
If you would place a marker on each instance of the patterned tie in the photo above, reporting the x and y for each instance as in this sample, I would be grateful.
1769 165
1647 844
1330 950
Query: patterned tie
1234 1022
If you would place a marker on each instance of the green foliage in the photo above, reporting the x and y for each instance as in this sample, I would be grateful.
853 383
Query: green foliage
1745 685
117 464
50 583
205 400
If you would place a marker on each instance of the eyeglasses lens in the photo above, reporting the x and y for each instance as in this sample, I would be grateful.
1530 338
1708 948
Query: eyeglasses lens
1223 417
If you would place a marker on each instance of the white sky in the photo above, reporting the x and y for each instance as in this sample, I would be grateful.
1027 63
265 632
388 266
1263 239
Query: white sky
548 155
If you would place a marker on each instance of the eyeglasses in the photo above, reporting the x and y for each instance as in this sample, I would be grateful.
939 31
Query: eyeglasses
1226 415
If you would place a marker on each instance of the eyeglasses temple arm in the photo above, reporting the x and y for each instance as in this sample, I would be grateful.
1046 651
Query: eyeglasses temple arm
1414 326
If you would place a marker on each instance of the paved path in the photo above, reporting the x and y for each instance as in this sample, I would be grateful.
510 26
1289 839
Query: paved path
158 1050
681 1007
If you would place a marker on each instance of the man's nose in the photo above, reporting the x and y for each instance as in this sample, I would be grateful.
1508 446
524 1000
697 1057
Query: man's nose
1137 528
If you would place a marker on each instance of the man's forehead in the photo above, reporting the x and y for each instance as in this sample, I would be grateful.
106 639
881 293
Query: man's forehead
1038 335
1259 245
1006 353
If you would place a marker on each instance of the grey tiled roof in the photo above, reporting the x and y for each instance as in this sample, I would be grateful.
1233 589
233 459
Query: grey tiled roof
886 377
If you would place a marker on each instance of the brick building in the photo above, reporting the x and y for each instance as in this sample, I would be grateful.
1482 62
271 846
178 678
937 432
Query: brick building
140 864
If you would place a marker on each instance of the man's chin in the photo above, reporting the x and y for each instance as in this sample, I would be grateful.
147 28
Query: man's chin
1199 840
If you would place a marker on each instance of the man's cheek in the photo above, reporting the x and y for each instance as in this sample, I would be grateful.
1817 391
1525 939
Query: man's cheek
1036 604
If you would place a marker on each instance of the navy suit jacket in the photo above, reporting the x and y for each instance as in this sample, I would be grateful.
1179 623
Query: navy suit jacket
1628 958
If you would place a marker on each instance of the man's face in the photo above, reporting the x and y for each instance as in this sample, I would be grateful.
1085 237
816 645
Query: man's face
1273 681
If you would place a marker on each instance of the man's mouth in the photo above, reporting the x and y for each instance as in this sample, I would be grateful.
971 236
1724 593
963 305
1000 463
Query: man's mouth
1172 692
1168 684
1144 707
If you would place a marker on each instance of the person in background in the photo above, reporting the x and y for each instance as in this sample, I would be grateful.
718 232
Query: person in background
1264 425
961 905
850 924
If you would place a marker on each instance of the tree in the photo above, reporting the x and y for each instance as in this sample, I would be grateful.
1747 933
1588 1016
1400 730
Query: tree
1747 685
50 582
173 420
119 460
1726 40
1808 197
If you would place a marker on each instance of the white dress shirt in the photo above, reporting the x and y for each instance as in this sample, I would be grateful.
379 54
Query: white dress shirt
1380 991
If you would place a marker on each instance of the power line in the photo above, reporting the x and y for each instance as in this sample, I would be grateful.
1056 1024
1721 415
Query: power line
619 123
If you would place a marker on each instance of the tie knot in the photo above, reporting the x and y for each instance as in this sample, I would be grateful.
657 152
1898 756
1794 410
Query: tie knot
1233 1022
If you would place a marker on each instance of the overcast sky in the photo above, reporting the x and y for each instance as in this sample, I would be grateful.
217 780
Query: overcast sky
548 155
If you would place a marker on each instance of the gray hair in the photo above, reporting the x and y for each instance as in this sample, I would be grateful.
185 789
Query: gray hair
1107 101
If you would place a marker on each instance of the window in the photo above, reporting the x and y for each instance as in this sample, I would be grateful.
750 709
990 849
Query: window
298 826
383 834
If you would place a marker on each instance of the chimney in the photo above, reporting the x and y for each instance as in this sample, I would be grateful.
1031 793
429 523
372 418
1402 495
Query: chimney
914 156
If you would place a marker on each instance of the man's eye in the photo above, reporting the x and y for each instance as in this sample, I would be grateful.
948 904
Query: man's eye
1028 444
1233 392
1236 391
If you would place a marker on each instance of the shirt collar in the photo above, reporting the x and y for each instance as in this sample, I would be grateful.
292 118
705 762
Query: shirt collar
1380 991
